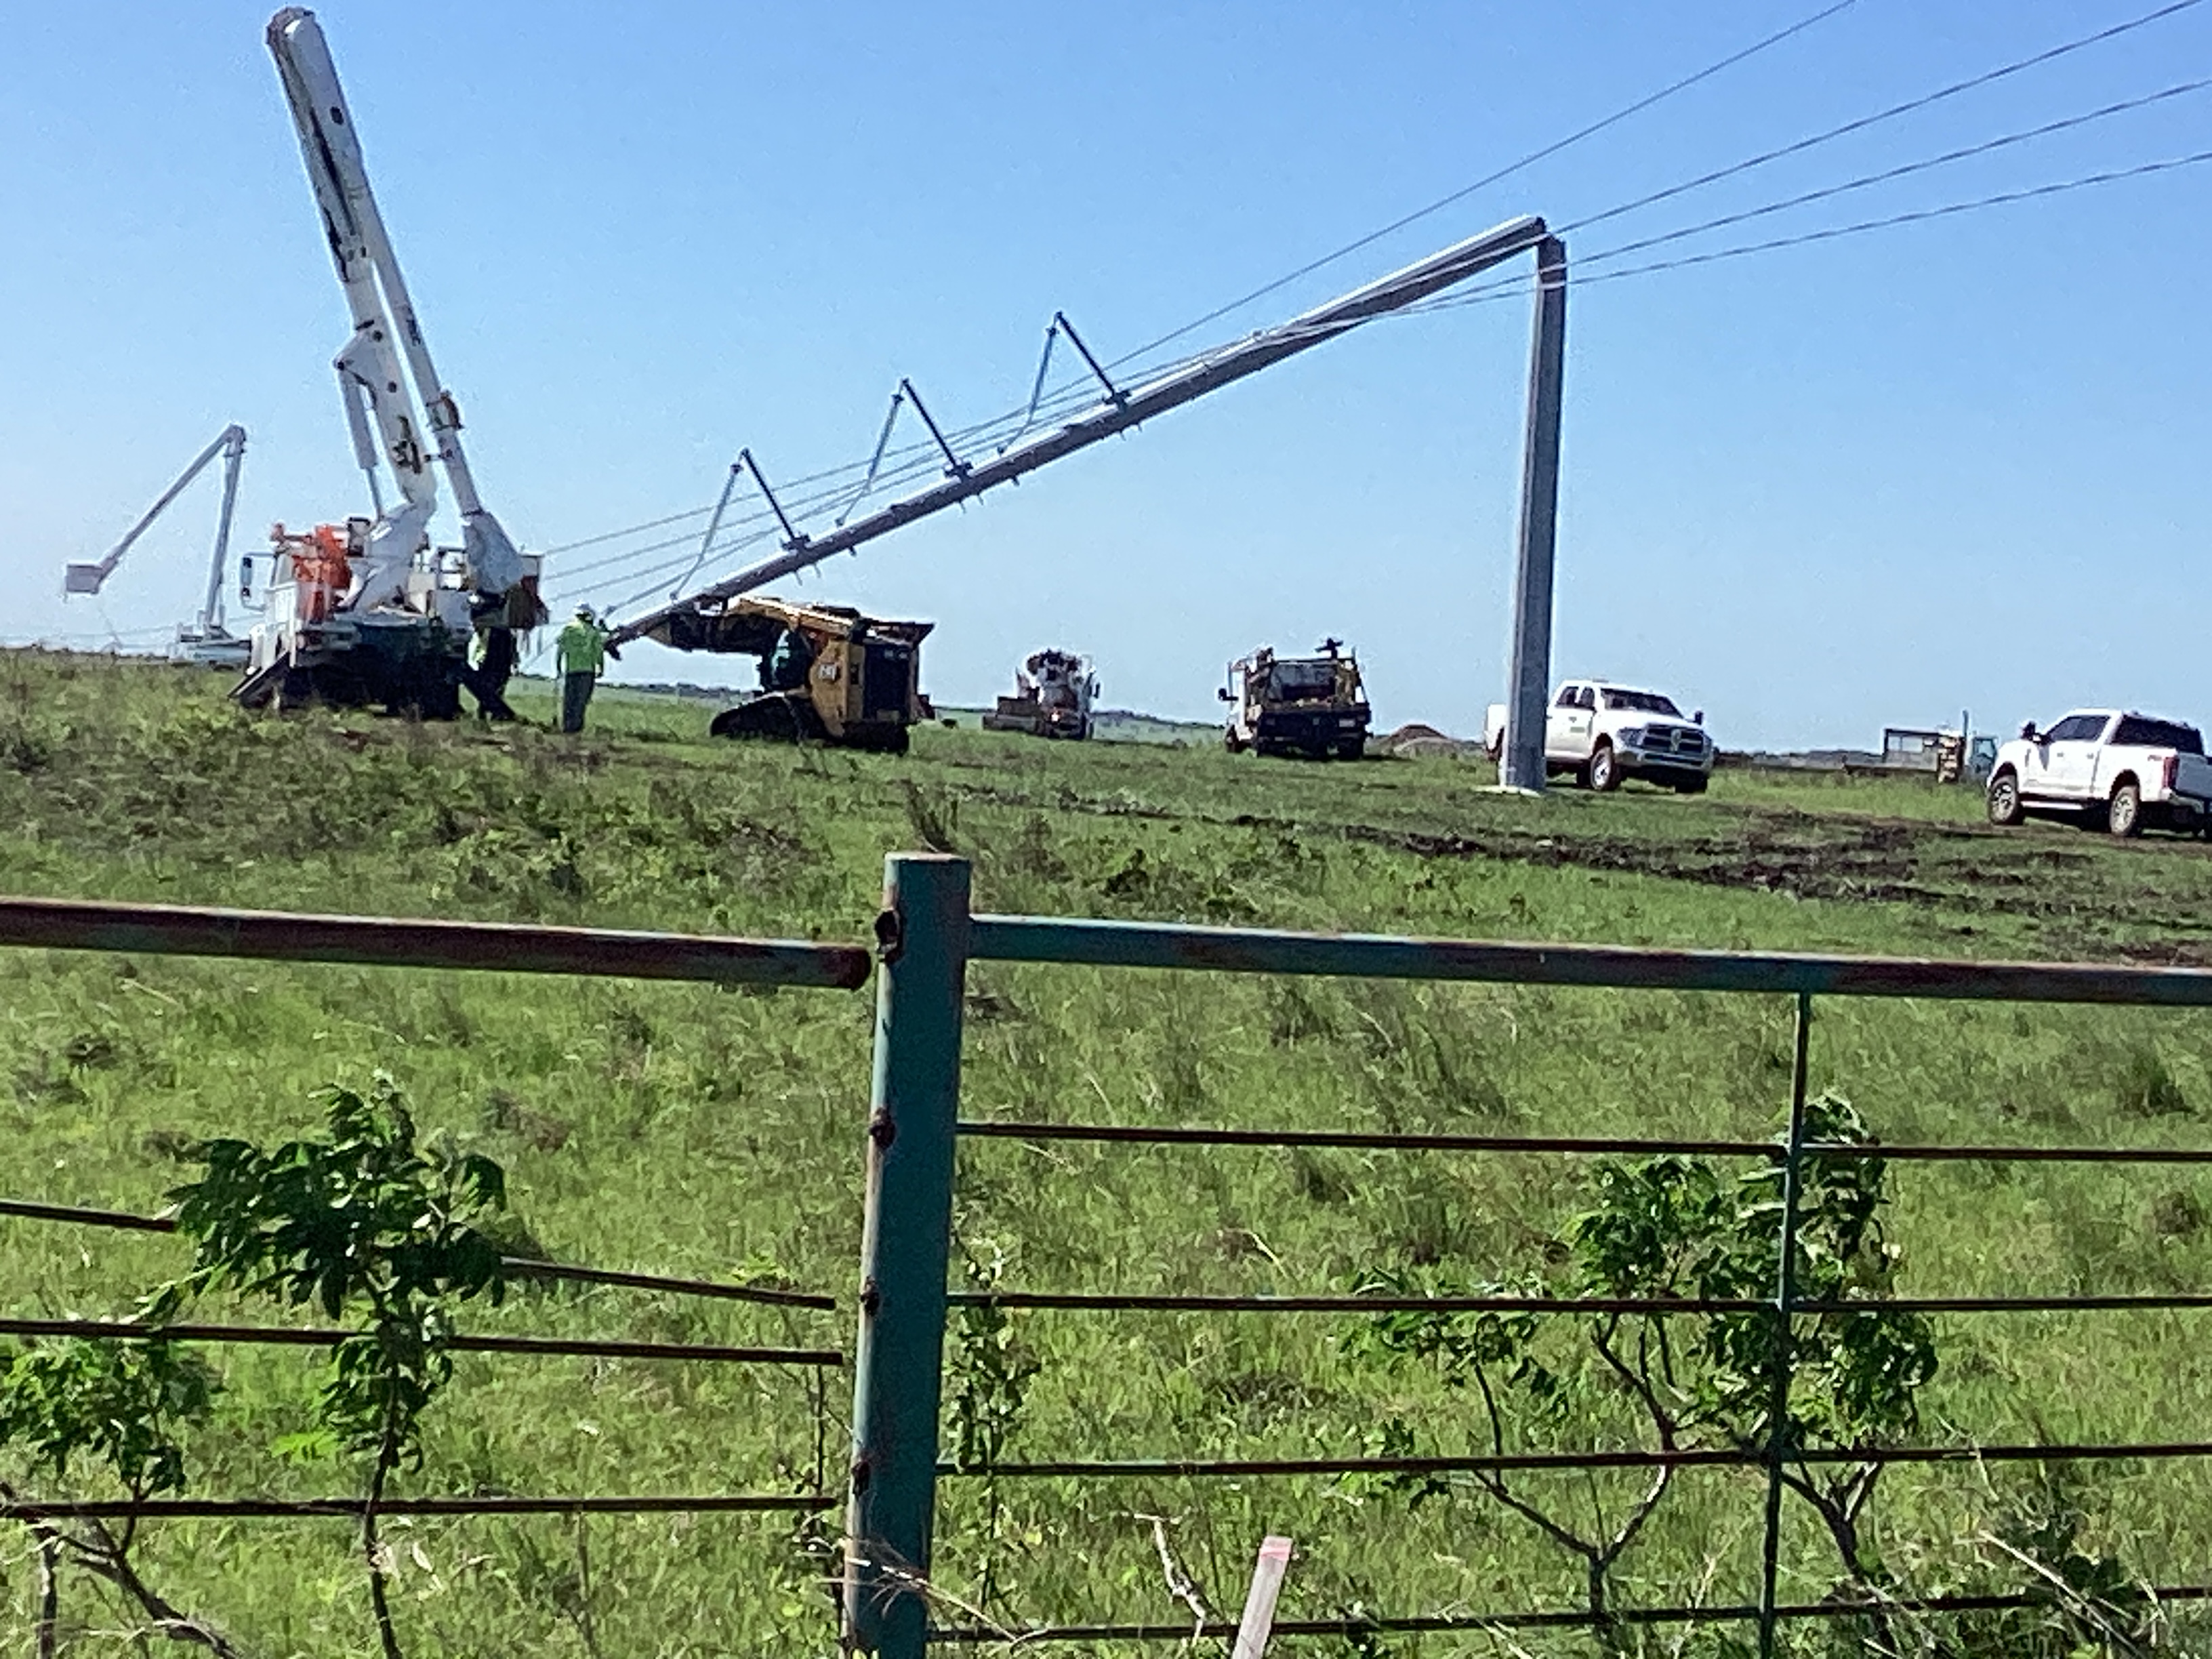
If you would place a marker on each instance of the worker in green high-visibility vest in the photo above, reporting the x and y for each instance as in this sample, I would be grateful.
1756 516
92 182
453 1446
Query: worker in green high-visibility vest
580 652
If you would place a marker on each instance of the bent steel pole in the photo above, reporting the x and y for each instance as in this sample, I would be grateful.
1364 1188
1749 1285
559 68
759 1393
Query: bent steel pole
1129 408
1529 674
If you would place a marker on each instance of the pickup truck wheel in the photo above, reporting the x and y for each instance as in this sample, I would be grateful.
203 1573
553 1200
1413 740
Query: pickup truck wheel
1604 772
1231 742
2124 812
2004 800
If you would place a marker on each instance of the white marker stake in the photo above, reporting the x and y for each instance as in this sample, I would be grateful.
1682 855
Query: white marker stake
1252 1630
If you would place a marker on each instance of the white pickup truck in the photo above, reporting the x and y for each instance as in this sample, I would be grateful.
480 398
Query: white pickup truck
2108 766
1603 733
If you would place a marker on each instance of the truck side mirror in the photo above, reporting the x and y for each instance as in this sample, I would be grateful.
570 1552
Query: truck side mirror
1697 717
1222 692
2028 731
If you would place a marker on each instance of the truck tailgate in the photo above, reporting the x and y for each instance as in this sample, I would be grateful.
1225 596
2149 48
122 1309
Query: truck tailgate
2192 776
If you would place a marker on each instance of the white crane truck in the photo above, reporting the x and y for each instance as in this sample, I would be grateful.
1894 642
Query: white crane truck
368 611
206 641
1603 733
2107 767
1053 691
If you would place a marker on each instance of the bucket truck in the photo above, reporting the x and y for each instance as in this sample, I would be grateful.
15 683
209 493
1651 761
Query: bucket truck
206 641
1053 691
368 611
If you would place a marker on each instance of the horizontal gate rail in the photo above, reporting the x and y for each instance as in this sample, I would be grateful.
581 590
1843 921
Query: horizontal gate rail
405 942
1533 1462
1359 1139
1444 1623
1108 1301
118 1330
276 1508
1367 956
1147 1134
518 1266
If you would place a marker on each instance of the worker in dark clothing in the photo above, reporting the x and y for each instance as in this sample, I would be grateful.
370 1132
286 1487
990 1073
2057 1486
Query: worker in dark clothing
486 678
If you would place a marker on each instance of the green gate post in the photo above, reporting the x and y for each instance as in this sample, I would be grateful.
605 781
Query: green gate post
905 1241
1786 1304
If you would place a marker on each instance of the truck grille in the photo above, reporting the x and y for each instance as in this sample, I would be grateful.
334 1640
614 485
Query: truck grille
1685 740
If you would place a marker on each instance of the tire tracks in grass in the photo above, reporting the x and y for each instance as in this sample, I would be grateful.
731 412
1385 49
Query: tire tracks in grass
2071 894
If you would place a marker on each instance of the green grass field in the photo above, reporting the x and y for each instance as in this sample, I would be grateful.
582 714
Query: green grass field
696 1131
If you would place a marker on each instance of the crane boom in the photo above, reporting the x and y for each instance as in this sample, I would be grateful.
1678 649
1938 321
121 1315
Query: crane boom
386 334
230 444
1118 411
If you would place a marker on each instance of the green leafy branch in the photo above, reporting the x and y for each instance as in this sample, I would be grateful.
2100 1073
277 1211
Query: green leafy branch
1666 1229
367 1225
122 1406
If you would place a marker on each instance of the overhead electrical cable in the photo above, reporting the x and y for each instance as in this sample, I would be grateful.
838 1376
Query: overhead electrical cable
1070 396
2003 199
1488 179
1591 130
1798 147
1903 170
1493 292
919 458
1499 288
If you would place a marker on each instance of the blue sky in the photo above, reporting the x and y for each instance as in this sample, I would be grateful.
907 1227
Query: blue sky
1953 465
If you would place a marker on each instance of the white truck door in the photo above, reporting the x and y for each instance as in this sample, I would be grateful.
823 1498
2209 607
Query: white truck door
2069 758
1567 728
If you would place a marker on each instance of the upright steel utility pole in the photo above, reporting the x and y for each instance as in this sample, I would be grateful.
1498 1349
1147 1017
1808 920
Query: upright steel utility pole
1529 674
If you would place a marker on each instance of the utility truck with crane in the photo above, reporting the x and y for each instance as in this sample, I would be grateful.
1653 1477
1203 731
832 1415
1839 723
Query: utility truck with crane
1053 691
206 640
367 610
1315 707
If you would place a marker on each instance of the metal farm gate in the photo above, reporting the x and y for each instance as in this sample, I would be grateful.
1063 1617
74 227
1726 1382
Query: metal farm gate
926 937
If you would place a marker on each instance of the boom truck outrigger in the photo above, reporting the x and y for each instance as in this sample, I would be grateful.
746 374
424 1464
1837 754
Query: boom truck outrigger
368 611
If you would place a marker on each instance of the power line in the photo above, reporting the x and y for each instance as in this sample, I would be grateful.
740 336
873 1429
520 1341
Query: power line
1065 397
1496 291
1437 206
1868 180
2005 198
1799 146
1075 392
1826 233
1488 179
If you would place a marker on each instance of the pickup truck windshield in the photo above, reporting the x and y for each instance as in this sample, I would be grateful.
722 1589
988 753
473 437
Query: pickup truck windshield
2160 734
1640 702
